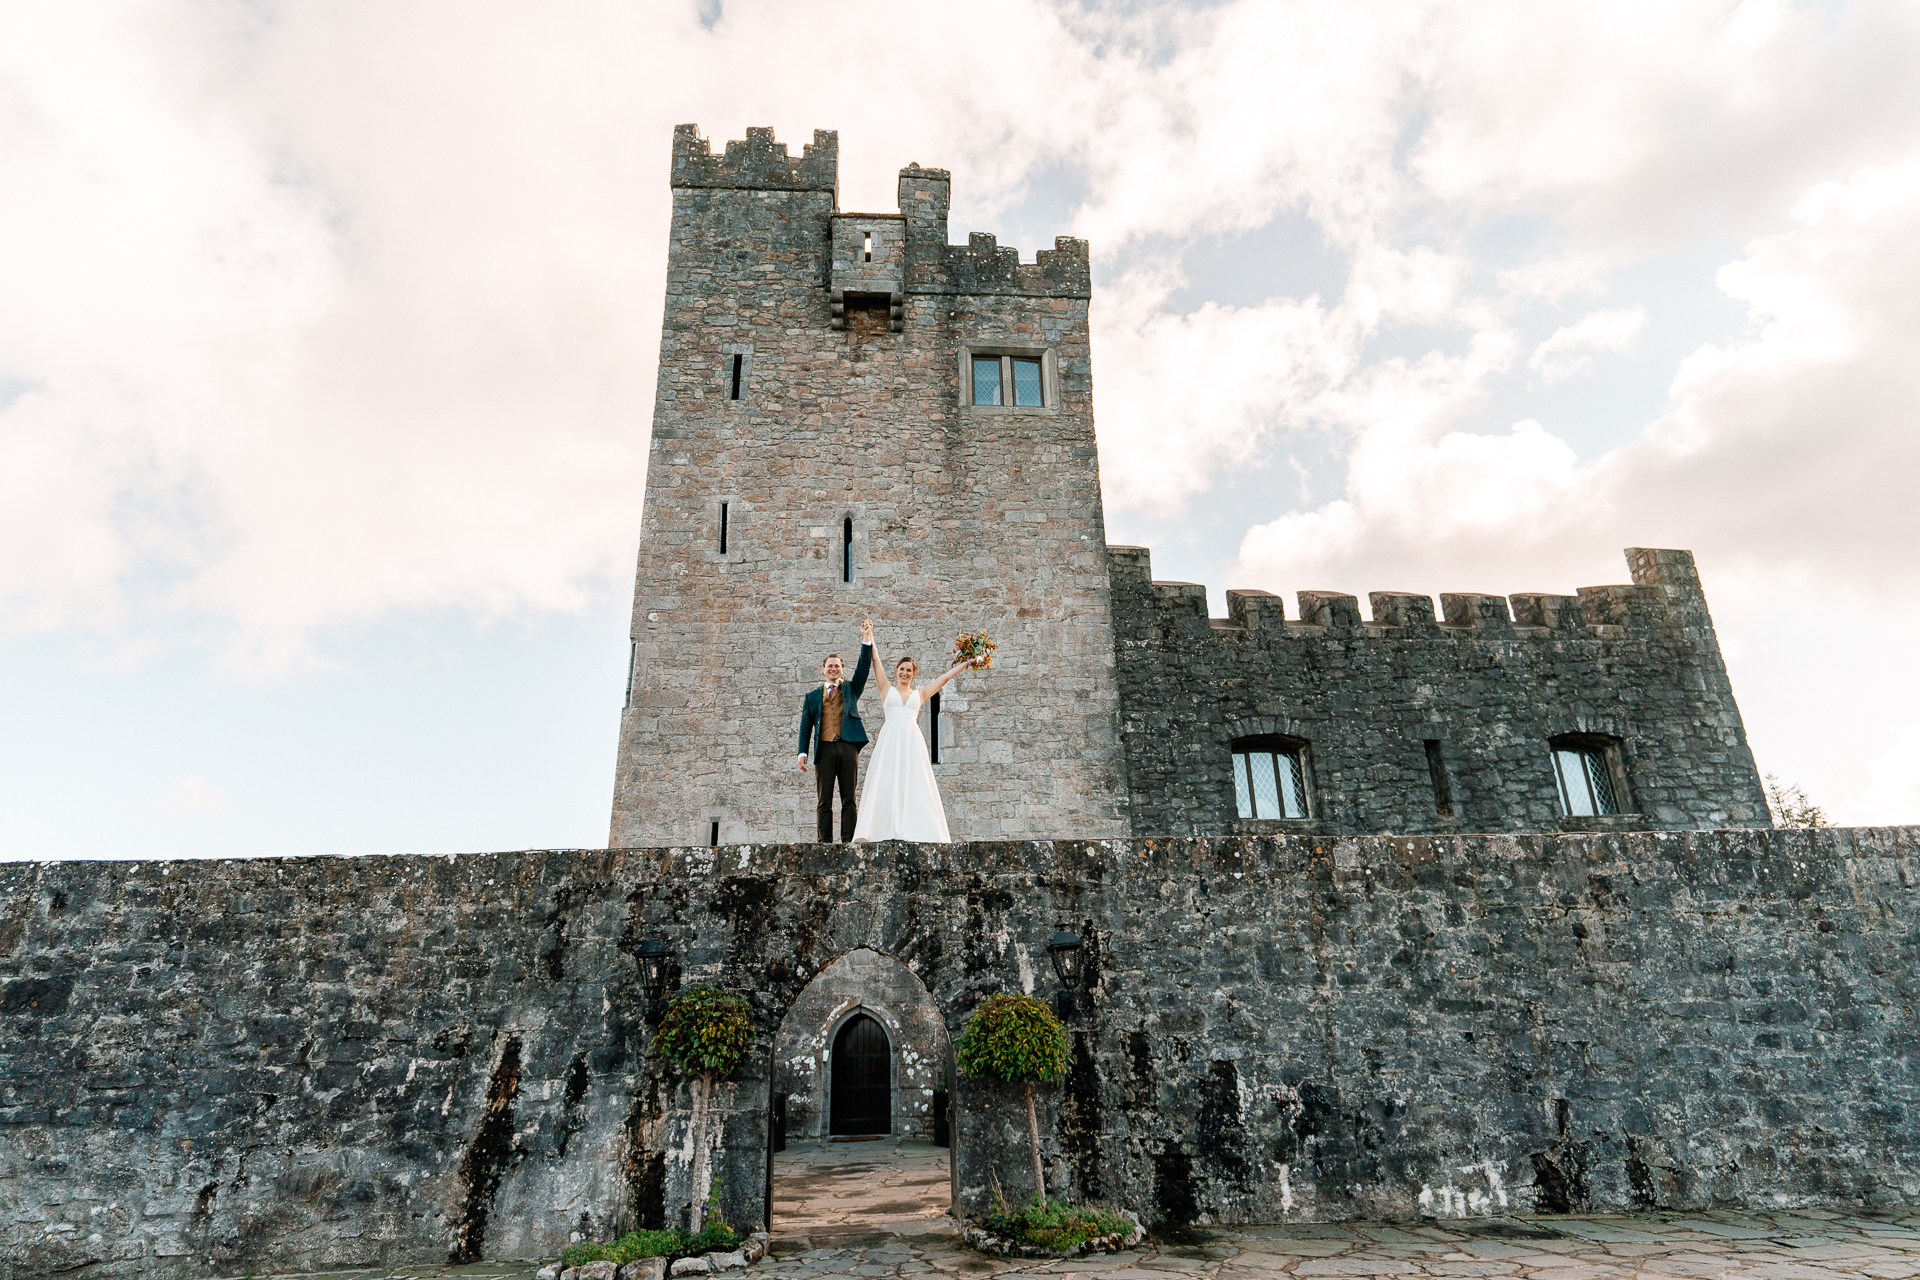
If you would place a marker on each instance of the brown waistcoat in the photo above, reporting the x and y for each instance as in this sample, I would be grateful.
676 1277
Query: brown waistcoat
830 716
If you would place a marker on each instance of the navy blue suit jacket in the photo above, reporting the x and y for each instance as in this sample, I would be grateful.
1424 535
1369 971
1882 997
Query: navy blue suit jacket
851 730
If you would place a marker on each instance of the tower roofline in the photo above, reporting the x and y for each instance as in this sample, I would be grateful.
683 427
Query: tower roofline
758 163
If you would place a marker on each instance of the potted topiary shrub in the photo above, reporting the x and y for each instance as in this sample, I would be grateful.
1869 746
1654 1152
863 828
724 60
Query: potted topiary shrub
1015 1039
705 1032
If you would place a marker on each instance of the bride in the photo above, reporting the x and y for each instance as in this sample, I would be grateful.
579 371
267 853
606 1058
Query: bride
901 801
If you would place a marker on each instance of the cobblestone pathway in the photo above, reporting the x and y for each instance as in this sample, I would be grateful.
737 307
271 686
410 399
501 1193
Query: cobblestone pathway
823 1191
878 1209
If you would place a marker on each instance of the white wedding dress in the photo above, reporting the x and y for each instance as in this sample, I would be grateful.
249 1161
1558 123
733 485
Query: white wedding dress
901 801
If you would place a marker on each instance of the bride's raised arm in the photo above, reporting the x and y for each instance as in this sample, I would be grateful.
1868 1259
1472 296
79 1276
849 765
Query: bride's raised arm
953 671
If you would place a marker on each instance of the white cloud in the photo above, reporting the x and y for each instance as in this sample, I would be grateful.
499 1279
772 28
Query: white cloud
1648 119
1425 511
318 315
1571 348
1552 277
1182 396
1802 432
1210 121
1893 789
325 314
1785 461
330 312
1419 285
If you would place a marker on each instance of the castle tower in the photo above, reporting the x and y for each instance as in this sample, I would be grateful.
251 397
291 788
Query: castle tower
818 456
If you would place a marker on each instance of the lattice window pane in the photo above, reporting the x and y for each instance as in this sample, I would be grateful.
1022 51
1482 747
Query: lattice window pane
986 379
1600 781
1576 795
1266 788
1026 382
1269 784
1292 794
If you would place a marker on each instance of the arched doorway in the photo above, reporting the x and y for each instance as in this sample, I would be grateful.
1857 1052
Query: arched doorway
860 1092
860 1068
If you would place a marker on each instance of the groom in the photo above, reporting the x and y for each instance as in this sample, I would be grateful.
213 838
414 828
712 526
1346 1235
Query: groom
830 724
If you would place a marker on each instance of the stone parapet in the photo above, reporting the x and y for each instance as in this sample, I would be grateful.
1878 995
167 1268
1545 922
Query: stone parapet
1393 705
982 267
757 163
216 1067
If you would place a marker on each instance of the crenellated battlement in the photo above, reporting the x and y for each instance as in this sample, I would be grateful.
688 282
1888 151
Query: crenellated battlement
796 335
1419 718
1665 593
926 263
757 163
981 265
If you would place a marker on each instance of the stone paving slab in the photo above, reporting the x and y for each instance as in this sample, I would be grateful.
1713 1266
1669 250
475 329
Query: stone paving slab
1746 1247
874 1210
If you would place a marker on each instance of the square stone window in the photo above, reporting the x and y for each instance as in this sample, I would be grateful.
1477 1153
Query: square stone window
1270 777
1008 380
1587 771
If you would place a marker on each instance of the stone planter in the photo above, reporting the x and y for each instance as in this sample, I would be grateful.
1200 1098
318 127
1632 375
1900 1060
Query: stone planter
751 1250
987 1242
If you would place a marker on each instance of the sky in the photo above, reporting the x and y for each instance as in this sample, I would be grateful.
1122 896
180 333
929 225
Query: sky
328 338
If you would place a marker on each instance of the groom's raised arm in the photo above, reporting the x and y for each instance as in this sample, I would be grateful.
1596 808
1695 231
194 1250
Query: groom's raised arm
862 669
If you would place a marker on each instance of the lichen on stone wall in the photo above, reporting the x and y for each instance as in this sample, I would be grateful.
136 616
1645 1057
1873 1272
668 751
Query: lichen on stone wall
296 1062
1409 724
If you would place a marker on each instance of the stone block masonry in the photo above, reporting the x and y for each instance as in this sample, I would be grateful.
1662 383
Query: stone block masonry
215 1067
1414 722
820 453
861 982
810 402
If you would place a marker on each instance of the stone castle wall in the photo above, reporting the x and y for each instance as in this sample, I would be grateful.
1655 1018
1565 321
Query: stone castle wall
214 1067
1116 700
853 411
1638 664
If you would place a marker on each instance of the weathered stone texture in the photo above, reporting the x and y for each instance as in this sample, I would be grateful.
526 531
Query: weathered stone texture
962 518
756 164
210 1067
1116 699
862 980
1636 663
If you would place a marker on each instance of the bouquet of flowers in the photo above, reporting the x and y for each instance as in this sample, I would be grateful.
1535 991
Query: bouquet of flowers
975 648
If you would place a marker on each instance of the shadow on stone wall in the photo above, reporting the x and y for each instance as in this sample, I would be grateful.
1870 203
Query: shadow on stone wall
863 981
215 1067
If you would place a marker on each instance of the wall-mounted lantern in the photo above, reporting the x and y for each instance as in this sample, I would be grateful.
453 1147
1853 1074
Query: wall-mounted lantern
652 954
1065 951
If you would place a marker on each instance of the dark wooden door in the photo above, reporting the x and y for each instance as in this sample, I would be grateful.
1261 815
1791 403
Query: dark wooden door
862 1100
